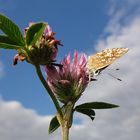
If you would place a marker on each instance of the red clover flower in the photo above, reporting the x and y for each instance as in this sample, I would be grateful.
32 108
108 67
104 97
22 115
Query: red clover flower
69 81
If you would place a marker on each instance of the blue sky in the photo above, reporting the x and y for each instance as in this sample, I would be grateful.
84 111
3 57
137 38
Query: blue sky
87 26
77 23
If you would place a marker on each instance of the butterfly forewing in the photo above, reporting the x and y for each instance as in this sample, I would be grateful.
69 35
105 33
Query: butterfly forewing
101 60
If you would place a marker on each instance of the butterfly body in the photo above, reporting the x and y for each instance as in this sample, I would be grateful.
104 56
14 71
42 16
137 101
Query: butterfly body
99 61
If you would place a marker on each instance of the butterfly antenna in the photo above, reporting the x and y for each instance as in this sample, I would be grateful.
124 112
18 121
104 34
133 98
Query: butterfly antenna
114 77
113 69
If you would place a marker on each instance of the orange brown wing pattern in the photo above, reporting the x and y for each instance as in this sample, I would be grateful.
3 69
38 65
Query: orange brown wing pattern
104 58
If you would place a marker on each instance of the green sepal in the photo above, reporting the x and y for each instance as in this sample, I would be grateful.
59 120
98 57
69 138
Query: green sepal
97 105
11 30
34 33
54 124
88 112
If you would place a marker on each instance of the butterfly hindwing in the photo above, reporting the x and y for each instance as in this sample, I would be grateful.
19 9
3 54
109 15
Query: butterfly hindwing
103 59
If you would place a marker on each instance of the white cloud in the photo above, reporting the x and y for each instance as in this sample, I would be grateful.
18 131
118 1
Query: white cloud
19 123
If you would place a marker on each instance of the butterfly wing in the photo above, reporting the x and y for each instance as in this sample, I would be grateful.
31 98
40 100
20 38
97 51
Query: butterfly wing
103 59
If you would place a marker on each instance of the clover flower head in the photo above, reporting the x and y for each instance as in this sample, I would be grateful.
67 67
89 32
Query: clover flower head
69 81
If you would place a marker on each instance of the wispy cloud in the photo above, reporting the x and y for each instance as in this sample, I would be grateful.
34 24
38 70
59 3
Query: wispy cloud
122 12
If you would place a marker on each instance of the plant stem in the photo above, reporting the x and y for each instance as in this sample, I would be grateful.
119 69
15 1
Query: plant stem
39 73
65 133
67 120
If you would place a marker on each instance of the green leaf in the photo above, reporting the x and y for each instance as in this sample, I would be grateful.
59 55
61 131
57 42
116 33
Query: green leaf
97 105
34 33
7 40
11 30
88 112
8 46
54 124
6 43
